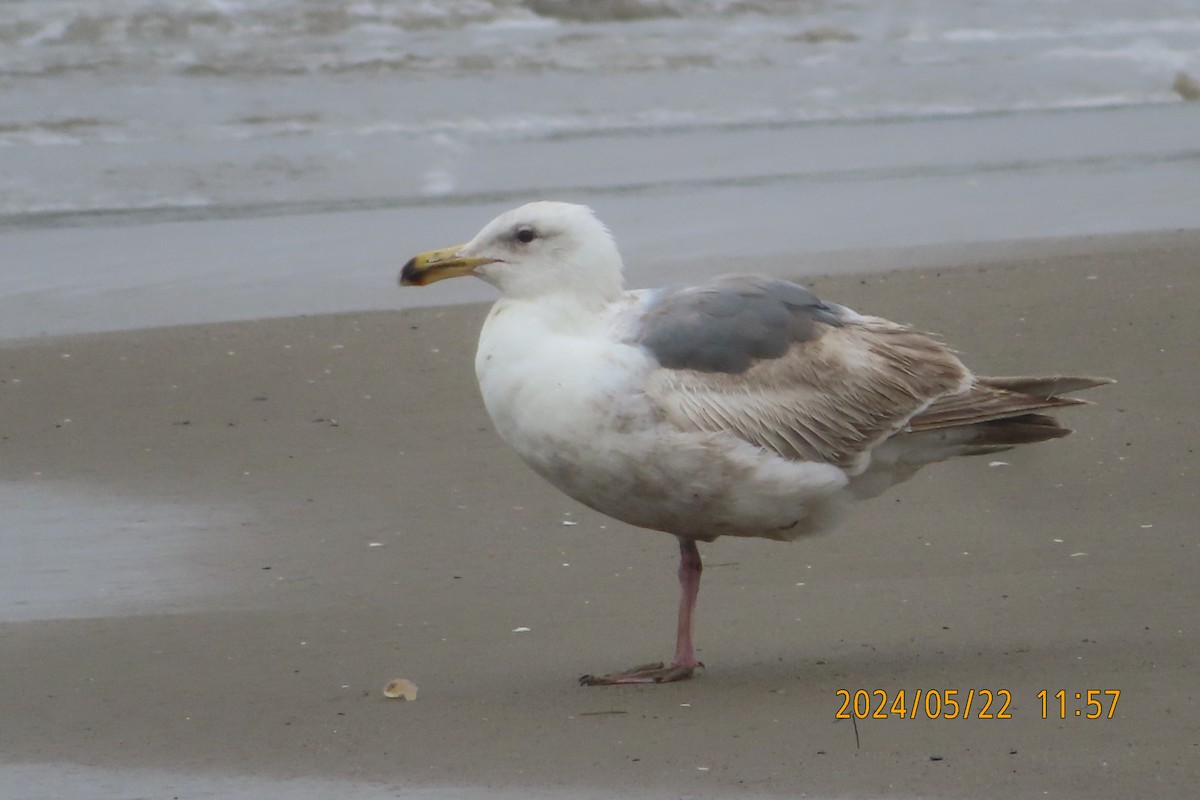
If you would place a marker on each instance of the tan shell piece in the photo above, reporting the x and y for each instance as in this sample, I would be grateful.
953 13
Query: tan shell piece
401 688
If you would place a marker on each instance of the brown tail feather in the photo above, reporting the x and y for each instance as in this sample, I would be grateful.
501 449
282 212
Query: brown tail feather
1047 386
1001 410
984 404
1025 429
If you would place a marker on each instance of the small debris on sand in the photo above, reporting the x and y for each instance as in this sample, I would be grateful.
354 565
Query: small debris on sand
401 689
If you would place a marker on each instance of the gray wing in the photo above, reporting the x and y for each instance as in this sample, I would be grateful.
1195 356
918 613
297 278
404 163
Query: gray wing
731 321
768 362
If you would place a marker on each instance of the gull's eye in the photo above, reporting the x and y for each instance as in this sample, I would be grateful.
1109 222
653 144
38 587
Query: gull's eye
525 234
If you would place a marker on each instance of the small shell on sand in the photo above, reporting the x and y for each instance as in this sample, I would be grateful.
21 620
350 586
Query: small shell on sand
401 688
1186 86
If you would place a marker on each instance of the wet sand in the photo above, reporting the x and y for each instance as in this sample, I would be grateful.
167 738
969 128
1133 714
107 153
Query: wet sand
221 541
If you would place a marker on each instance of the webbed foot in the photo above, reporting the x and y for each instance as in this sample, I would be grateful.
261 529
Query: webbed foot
646 673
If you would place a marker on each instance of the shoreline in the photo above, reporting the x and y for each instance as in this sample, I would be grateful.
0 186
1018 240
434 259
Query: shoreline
228 537
31 314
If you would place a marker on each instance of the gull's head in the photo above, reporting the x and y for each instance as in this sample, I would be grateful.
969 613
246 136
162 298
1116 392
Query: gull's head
539 249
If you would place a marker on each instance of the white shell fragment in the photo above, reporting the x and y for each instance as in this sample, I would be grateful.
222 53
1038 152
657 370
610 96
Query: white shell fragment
400 688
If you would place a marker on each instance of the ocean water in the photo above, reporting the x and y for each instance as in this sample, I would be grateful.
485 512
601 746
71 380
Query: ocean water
690 124
165 106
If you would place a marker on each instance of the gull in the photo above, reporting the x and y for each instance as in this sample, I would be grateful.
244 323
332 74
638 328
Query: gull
741 406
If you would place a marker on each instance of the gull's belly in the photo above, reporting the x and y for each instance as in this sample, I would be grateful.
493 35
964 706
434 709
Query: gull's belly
698 485
600 441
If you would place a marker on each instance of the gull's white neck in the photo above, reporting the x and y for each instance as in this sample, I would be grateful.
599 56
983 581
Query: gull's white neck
563 313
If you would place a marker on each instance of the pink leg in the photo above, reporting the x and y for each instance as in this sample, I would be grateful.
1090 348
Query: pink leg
690 568
685 661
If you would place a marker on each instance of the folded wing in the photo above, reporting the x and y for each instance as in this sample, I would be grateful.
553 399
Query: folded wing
765 360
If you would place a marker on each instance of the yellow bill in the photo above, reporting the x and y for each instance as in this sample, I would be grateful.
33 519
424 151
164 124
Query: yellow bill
437 265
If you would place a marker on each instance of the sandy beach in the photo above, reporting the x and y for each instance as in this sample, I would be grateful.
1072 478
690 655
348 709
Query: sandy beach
221 541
